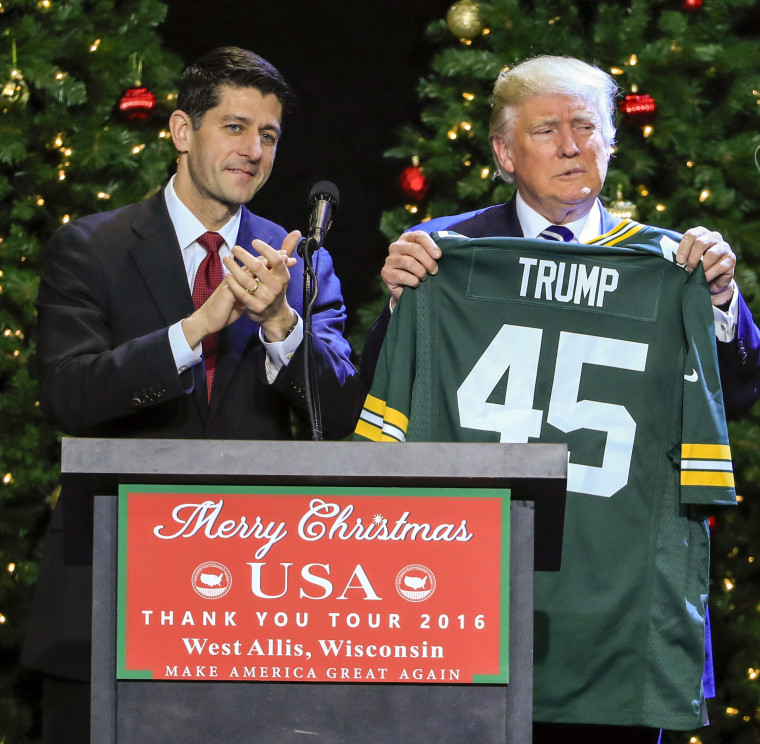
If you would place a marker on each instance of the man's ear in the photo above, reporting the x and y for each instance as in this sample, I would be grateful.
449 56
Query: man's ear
181 127
501 153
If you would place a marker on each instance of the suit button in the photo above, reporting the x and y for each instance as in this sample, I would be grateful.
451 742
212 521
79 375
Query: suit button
742 352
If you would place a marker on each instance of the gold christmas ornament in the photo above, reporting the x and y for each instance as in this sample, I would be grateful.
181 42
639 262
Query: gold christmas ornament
463 19
15 91
622 209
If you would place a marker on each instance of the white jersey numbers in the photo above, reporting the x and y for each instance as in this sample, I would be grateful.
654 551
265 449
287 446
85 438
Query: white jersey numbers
516 349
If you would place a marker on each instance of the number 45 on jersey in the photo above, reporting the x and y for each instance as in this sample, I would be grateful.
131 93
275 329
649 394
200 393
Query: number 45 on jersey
517 349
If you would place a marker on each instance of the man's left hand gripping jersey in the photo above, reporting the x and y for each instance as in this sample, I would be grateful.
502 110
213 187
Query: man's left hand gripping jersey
609 347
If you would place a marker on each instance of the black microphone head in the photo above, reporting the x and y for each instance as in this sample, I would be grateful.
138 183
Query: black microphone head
326 190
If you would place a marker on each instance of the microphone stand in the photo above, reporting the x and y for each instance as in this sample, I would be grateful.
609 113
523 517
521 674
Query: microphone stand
306 248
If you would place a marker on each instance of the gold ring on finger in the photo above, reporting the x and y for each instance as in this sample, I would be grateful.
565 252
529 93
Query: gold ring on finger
252 290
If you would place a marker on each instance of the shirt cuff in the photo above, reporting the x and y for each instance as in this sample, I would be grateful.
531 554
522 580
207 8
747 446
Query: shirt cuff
184 356
725 320
279 353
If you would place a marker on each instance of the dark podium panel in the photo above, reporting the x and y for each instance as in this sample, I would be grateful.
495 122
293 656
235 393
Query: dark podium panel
161 712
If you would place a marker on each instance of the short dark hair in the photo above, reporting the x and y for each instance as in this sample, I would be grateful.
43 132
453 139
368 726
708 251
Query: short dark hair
232 66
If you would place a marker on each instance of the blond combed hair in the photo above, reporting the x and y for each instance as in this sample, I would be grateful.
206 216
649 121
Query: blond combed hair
551 76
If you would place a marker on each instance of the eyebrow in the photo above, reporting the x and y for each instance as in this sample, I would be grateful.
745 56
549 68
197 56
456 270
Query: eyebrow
574 119
544 122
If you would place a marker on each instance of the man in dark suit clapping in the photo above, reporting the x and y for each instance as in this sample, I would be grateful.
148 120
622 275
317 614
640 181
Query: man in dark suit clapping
177 317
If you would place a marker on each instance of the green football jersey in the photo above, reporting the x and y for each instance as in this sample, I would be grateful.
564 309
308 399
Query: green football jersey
607 346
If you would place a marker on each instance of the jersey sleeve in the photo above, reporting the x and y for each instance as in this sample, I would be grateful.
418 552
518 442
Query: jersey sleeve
706 469
385 414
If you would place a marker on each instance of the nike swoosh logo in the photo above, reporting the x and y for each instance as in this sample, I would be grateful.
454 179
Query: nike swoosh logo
693 377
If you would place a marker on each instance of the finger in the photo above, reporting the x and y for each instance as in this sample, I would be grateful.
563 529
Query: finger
239 291
286 250
290 243
290 261
721 252
270 272
701 241
419 248
424 239
245 260
274 259
252 266
416 240
396 281
720 264
687 246
406 266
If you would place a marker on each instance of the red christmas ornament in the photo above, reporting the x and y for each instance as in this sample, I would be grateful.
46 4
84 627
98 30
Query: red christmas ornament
692 4
138 104
639 108
414 183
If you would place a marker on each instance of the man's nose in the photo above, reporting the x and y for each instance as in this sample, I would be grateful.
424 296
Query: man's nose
568 146
252 147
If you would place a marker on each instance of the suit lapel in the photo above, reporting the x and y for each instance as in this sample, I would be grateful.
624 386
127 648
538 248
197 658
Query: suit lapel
508 220
158 256
498 220
608 221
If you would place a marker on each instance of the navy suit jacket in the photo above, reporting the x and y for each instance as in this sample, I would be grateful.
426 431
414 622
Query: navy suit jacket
739 359
111 286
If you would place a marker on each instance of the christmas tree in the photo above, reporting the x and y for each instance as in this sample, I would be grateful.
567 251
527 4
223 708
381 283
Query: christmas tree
688 130
87 89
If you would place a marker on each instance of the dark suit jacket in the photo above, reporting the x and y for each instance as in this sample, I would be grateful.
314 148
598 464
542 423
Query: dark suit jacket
739 359
111 286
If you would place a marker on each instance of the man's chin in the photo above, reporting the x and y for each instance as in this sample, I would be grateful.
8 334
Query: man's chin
237 197
580 196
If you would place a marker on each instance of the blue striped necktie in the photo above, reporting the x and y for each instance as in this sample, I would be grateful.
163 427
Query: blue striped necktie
558 232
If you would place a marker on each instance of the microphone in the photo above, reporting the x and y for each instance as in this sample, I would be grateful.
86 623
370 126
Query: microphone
323 203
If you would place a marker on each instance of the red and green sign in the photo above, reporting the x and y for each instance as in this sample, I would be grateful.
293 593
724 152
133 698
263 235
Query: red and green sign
313 584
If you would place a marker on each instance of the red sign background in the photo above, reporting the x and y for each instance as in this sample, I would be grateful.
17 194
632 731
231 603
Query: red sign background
313 584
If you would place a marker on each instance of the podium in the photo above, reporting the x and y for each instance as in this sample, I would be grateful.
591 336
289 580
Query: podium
191 712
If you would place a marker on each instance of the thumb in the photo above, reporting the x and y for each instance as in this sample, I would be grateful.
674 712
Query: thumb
290 242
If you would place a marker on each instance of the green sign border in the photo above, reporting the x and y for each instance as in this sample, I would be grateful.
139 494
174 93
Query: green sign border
126 489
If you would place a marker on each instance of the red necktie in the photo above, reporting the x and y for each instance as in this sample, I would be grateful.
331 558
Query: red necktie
209 277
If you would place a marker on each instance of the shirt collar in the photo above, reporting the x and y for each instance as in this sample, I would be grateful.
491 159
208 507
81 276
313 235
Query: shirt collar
532 223
188 227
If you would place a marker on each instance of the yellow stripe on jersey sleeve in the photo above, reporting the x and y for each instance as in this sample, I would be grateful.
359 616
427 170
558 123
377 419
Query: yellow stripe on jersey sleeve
367 430
706 451
707 478
380 423
374 405
706 465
